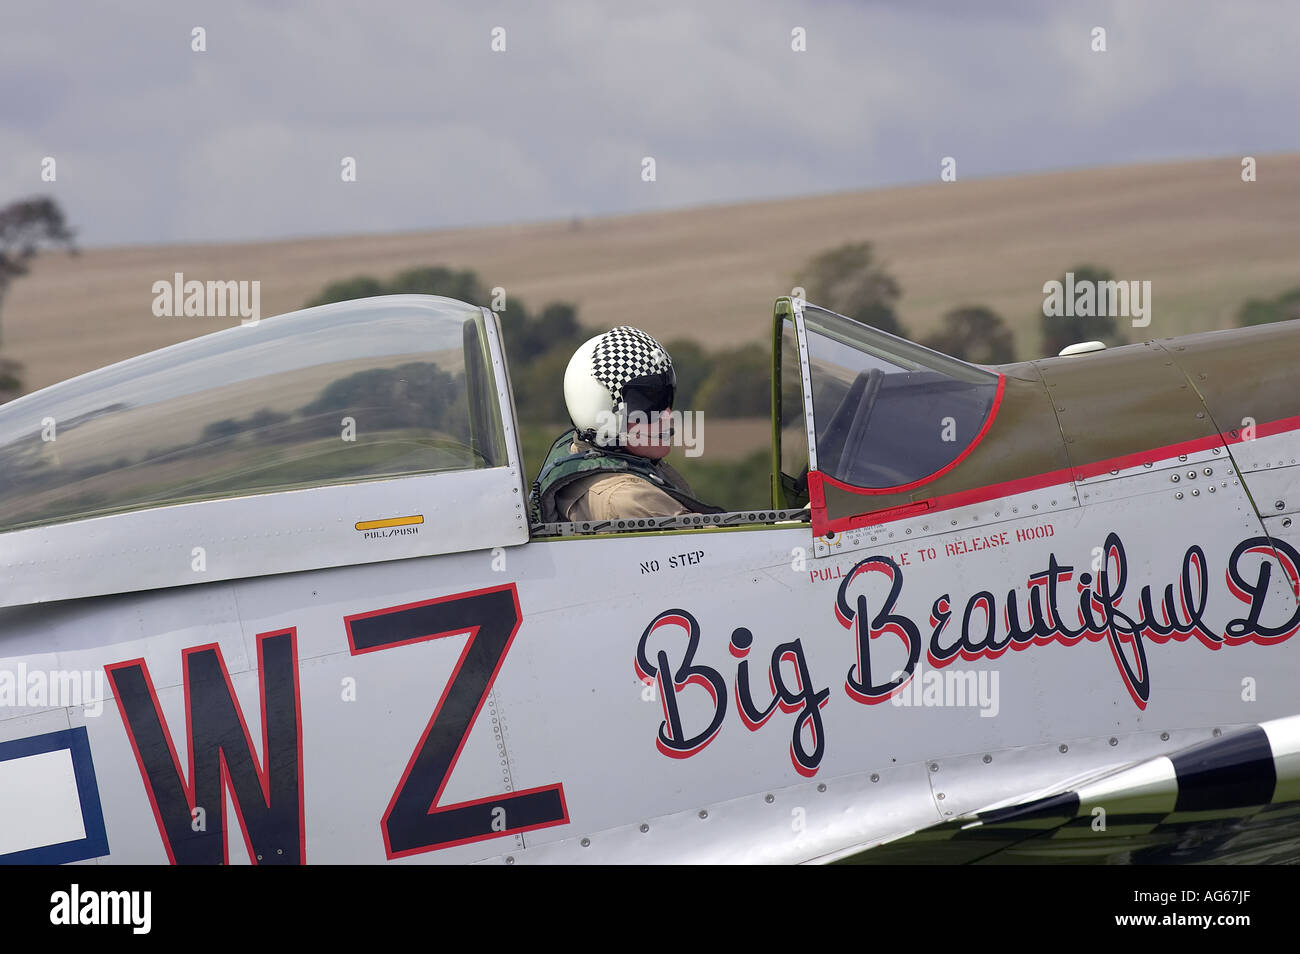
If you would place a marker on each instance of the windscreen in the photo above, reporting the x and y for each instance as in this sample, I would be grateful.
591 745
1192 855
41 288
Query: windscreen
888 412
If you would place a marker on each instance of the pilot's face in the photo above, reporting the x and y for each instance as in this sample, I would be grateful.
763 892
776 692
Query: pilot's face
650 437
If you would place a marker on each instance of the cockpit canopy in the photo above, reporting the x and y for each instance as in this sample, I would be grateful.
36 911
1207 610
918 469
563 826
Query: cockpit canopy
352 433
889 413
351 392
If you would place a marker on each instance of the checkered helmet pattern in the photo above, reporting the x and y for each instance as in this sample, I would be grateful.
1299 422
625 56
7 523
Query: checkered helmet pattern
624 354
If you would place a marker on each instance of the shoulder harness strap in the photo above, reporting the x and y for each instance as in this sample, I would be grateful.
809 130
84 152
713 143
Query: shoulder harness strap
562 467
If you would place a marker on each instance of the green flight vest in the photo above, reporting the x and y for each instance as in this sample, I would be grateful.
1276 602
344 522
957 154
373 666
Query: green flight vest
562 467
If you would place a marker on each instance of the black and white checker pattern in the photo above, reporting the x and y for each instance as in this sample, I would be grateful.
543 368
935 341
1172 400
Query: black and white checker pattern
624 354
1244 767
1235 796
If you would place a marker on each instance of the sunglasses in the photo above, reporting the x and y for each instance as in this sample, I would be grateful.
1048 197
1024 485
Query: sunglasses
651 392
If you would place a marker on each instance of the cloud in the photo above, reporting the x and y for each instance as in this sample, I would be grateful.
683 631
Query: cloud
158 143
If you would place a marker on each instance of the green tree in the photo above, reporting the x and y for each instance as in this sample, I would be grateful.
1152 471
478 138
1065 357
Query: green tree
976 334
350 289
11 385
849 281
1256 311
25 226
527 337
462 285
1060 331
537 347
692 365
739 384
558 324
418 394
425 280
220 430
539 389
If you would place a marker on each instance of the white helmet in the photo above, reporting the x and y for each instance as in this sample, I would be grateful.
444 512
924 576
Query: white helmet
613 374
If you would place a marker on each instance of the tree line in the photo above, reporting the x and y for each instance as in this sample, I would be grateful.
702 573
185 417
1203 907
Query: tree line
731 382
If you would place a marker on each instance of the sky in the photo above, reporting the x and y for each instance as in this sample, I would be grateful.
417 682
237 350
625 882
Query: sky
156 142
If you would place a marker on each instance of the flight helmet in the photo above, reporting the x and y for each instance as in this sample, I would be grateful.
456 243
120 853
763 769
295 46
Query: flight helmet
612 375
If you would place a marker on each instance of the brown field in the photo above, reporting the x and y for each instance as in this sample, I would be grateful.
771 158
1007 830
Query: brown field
1206 241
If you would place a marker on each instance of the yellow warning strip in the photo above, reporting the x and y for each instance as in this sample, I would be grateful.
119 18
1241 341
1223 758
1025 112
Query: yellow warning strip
390 522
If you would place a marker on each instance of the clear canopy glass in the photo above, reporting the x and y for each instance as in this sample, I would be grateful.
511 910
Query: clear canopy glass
888 412
355 391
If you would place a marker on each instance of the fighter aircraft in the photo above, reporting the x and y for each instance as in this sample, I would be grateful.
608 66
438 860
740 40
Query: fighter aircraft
275 595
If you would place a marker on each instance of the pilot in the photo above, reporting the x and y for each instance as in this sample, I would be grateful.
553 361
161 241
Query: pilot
619 389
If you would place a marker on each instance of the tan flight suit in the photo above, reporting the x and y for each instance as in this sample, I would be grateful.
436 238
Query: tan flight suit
620 496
